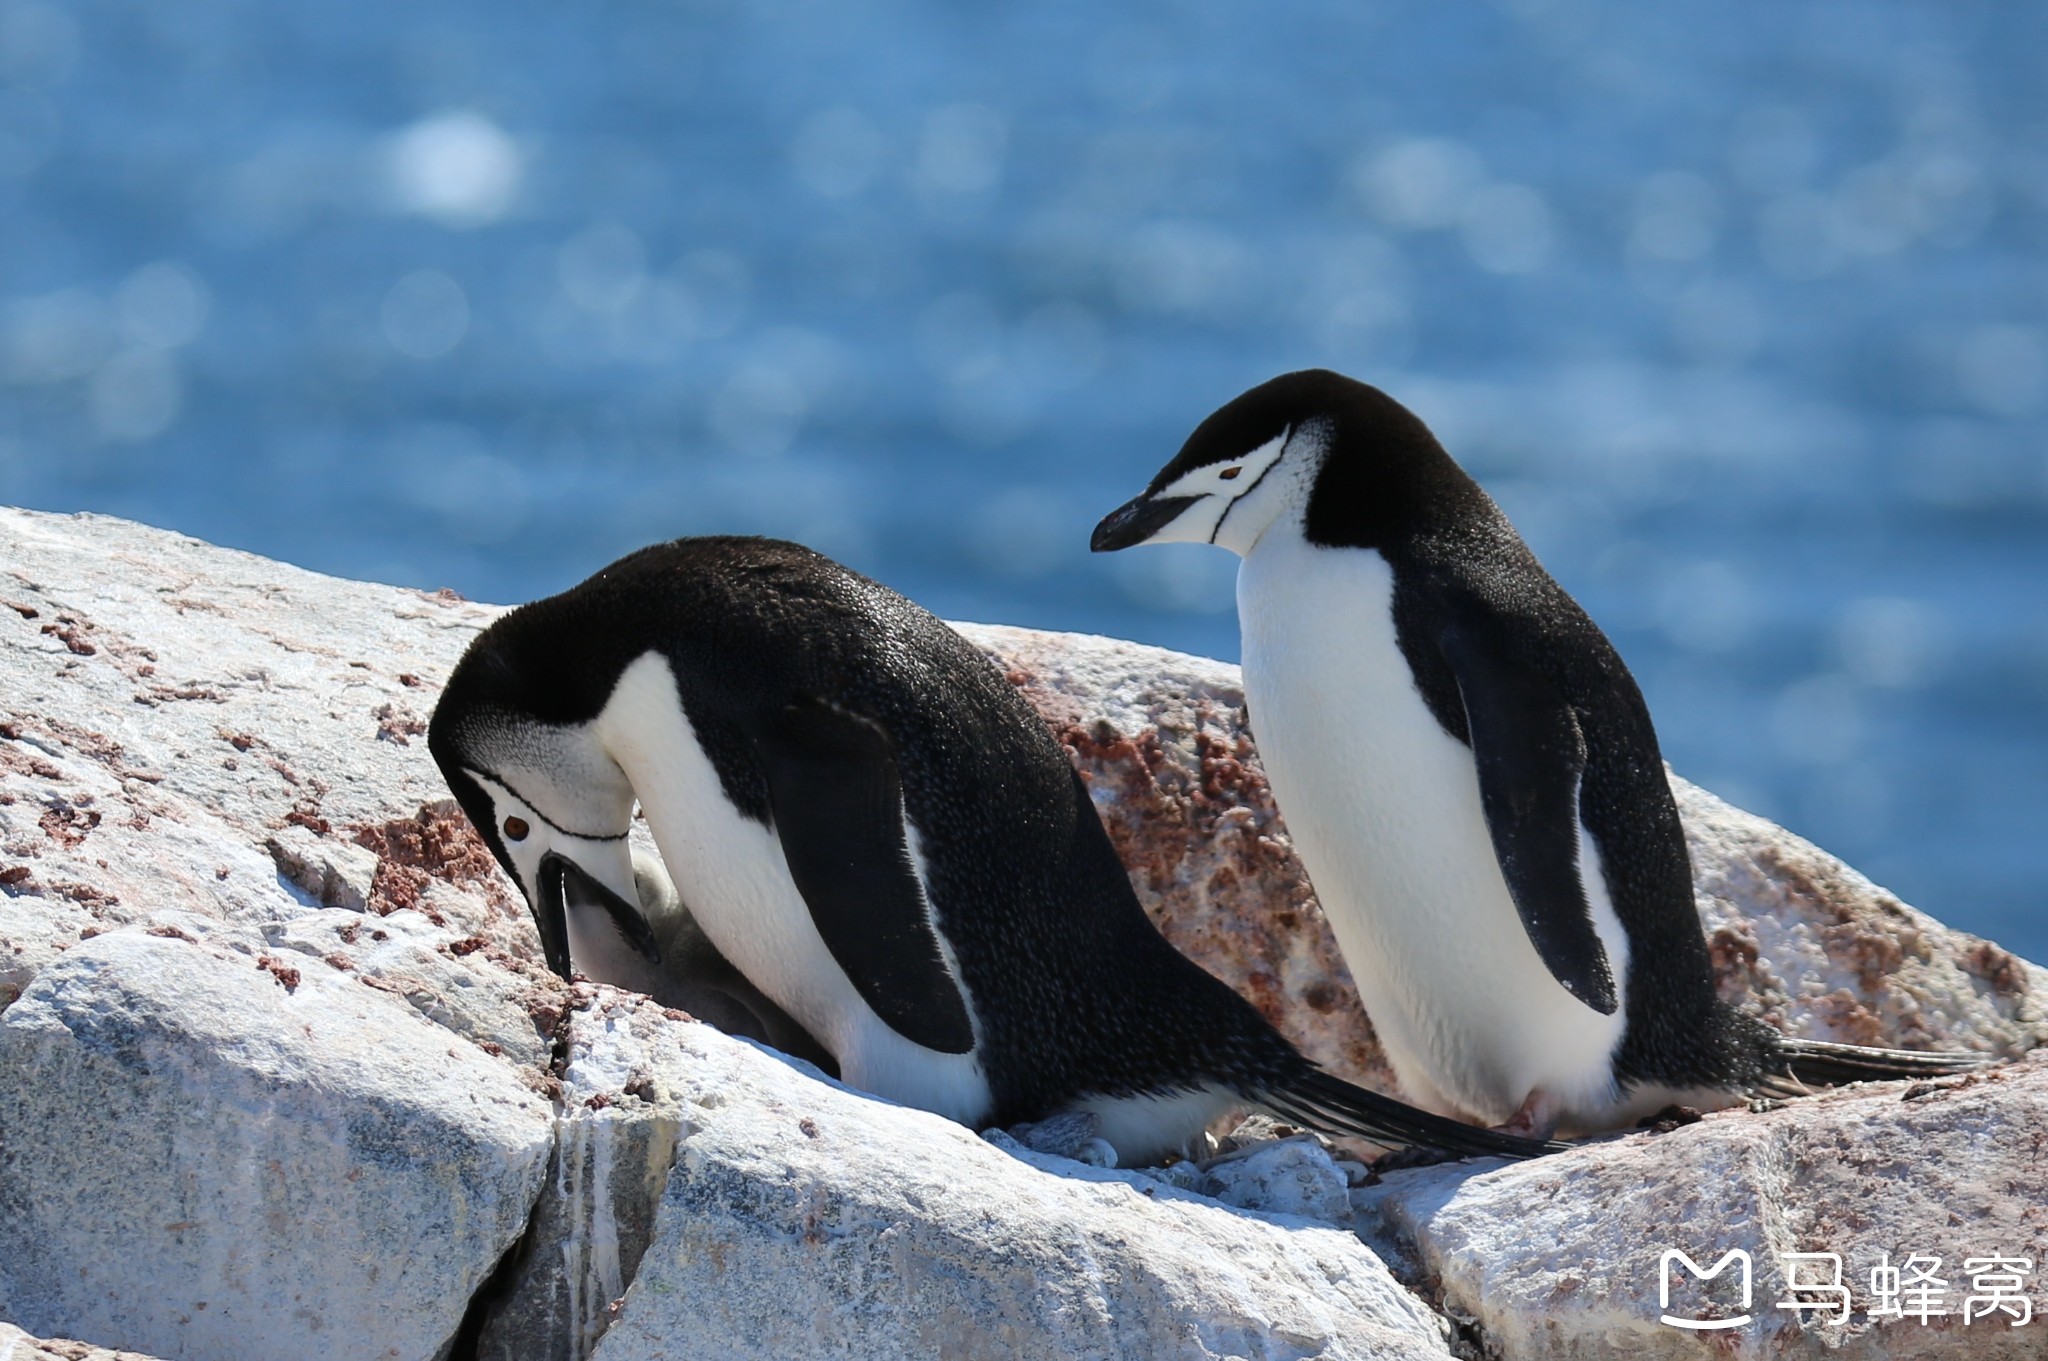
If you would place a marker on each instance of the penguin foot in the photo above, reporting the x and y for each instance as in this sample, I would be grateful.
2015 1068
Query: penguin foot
1668 1119
1536 1119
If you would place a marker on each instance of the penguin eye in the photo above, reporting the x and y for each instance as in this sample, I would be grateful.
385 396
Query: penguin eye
516 828
1229 474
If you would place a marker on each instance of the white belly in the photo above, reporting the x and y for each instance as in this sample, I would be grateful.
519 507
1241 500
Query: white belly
1384 810
731 871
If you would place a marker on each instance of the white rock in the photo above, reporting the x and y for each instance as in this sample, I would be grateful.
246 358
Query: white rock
504 1006
1292 1176
169 711
331 873
811 1220
615 1143
33 934
15 1345
249 1154
803 1219
1560 1258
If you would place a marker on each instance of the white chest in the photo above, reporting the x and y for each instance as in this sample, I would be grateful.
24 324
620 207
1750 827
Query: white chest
1384 809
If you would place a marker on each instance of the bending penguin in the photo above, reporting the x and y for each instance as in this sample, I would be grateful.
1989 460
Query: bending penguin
1469 775
877 832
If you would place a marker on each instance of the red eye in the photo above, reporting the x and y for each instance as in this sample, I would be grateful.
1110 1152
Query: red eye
516 828
1228 473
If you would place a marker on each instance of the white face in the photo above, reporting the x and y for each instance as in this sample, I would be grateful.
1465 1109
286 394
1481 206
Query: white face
588 827
1237 501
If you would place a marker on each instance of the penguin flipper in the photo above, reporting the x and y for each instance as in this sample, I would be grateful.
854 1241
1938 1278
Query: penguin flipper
837 802
1531 756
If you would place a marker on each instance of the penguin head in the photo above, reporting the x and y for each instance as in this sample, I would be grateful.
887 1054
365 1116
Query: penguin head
548 799
1277 454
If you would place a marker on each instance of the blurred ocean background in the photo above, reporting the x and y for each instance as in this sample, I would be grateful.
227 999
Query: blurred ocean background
1740 309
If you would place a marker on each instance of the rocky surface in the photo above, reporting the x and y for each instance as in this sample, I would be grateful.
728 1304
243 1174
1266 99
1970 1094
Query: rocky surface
213 1151
1563 1257
793 1225
16 1345
261 988
1818 950
179 723
621 1123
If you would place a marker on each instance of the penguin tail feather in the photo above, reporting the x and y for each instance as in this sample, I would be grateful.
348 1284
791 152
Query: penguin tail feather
1805 1064
1335 1106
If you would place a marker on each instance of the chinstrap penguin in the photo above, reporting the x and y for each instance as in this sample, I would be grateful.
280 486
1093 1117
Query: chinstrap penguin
1469 774
877 831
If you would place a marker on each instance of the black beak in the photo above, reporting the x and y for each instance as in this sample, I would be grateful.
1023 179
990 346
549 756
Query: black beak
565 888
1137 520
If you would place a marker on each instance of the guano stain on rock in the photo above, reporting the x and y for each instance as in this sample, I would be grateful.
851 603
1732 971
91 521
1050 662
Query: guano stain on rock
68 827
281 971
435 843
396 723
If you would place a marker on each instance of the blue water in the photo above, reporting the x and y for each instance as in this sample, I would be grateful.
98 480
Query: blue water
1737 308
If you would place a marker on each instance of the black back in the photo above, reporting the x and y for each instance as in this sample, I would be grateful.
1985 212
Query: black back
1073 989
1466 586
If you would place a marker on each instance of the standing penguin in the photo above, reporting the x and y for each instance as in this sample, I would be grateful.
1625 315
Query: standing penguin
1469 775
876 830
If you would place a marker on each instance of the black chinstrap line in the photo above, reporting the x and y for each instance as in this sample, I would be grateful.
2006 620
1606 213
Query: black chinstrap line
1265 473
508 787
